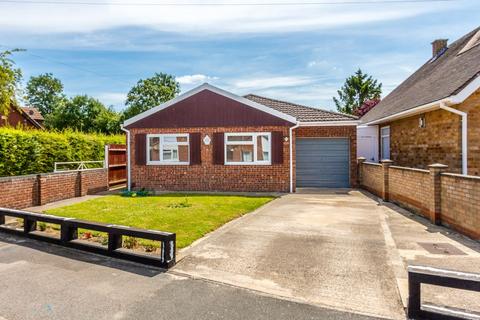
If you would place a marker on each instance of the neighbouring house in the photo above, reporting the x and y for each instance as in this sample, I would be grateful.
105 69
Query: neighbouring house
434 115
208 139
35 114
22 117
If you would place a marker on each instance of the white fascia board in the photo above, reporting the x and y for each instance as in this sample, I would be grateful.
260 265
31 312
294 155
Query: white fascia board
466 92
219 91
410 112
458 98
329 123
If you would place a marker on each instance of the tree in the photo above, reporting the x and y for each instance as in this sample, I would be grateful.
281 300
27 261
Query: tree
84 113
151 92
10 78
45 92
356 89
108 121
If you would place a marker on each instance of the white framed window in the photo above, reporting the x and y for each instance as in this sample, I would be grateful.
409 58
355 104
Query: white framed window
168 149
385 142
248 148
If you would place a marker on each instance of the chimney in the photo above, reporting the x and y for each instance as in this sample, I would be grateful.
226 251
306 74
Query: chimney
438 45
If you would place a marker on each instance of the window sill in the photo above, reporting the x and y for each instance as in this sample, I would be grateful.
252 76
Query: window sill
247 163
168 163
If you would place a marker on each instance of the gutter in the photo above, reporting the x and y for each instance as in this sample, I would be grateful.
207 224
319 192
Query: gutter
328 123
464 134
128 157
291 154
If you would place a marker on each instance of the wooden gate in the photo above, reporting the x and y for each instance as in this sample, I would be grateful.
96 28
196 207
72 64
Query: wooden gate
116 162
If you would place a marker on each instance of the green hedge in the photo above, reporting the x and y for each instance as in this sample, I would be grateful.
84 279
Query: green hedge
34 151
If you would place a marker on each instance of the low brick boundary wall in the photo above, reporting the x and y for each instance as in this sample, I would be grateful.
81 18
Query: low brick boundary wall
411 188
445 198
371 177
20 192
460 203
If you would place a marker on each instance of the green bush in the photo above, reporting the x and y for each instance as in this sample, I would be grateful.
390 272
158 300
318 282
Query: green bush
35 151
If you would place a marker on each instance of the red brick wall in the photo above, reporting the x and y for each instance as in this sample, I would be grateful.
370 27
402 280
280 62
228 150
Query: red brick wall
210 177
207 176
460 203
20 192
372 177
440 141
349 132
411 188
59 186
94 181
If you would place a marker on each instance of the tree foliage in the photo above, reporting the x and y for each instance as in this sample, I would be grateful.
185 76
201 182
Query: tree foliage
86 114
151 92
45 92
356 90
9 81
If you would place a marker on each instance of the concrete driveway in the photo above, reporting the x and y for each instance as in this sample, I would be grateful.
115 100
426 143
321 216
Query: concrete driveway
326 248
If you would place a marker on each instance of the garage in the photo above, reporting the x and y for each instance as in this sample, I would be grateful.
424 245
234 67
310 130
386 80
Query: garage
322 162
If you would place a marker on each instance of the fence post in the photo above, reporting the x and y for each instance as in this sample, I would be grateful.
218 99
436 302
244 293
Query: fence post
360 161
385 166
436 185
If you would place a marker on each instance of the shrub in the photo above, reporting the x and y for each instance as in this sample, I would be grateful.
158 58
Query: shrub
140 193
35 151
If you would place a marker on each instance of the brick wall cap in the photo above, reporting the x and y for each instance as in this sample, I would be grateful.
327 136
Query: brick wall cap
386 161
438 165
361 159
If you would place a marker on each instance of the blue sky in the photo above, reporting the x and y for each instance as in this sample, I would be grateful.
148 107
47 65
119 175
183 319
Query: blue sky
297 53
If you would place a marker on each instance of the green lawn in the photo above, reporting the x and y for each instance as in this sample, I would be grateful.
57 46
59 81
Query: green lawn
189 216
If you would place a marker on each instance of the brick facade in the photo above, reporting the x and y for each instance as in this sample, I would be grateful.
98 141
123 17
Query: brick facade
20 192
349 132
439 141
207 176
444 198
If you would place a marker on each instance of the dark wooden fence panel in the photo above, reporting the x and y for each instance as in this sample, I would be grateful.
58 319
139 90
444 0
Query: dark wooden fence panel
116 155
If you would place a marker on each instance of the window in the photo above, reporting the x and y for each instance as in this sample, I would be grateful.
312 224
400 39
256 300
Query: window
168 149
248 148
385 142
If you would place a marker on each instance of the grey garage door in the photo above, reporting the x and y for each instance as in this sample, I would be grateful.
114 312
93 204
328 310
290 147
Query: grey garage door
322 162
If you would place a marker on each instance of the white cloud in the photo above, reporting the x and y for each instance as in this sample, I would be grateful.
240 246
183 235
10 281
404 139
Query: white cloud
194 79
199 20
116 99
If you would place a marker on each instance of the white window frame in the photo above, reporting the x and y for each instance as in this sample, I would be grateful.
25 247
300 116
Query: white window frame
161 137
253 142
381 142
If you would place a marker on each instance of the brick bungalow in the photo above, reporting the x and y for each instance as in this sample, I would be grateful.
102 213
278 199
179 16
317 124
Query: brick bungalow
434 115
209 139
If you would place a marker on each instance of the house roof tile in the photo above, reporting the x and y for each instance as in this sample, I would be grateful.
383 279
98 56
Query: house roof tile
438 78
301 113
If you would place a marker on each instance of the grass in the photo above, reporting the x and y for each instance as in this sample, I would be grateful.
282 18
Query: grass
189 216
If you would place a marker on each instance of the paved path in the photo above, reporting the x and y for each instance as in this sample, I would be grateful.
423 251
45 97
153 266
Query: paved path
43 281
327 249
